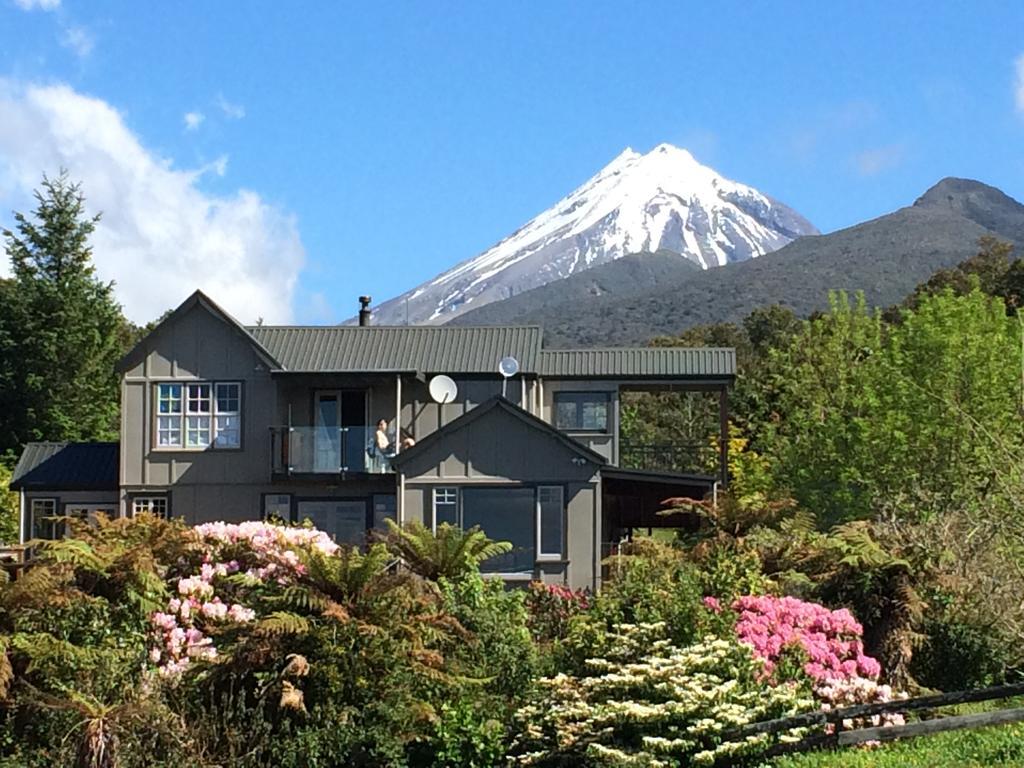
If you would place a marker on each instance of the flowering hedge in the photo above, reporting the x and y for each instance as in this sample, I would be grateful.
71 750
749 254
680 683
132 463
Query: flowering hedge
234 560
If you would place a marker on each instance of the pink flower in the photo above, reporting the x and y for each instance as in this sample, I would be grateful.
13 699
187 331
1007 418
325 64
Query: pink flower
712 604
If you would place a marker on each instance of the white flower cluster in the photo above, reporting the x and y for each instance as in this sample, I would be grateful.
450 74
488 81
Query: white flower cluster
667 707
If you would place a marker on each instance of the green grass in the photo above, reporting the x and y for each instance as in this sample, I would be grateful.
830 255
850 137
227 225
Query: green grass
999 746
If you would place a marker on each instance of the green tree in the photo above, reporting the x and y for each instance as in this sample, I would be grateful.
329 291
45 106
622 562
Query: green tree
61 330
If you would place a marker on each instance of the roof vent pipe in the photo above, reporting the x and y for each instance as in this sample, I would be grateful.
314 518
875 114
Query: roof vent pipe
364 310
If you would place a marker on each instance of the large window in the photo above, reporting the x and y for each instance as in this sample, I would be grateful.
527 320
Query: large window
343 520
198 415
531 519
582 411
277 506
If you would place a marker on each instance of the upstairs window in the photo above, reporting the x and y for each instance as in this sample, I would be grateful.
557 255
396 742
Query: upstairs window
582 411
198 415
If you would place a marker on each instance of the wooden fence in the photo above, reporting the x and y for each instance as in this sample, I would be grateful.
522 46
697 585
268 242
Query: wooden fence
840 737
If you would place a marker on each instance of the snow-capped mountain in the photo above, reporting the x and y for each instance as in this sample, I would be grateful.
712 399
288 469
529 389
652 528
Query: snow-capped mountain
661 200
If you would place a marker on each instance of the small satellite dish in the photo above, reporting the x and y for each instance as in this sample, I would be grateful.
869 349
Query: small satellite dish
443 389
508 367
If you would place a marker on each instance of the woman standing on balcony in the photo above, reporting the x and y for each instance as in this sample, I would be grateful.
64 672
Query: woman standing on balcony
380 448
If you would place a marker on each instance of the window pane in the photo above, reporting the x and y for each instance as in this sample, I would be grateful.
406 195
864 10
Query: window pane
43 524
198 398
168 430
565 413
277 505
169 398
227 432
228 398
551 509
343 521
197 431
446 506
504 514
595 414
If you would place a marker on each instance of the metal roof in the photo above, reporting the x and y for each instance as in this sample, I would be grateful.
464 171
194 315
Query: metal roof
67 466
623 362
426 349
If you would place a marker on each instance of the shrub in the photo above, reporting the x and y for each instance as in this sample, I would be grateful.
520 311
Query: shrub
551 607
650 702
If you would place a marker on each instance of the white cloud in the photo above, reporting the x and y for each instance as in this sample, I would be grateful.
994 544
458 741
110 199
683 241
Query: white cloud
43 5
872 162
193 120
1018 84
161 235
234 111
78 40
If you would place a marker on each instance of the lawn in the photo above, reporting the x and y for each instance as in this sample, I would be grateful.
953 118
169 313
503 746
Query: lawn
1000 746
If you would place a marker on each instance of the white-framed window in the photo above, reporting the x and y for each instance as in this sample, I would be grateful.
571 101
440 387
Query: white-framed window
446 507
197 415
582 411
550 522
155 505
43 523
277 505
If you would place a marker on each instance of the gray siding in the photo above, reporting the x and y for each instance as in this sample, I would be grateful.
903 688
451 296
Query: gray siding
198 346
502 449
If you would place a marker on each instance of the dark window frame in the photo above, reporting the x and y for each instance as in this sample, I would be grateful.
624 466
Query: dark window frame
579 397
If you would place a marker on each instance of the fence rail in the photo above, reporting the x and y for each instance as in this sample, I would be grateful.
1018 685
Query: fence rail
666 457
840 737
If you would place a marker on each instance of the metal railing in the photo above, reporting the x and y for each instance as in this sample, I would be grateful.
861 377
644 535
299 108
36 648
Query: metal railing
325 450
682 458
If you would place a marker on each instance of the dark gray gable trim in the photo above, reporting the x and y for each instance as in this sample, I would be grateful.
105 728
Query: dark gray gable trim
201 299
481 410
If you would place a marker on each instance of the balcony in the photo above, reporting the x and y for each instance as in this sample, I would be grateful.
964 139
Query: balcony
325 451
675 458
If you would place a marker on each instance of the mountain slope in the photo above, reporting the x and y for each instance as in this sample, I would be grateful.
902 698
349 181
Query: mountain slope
886 258
662 200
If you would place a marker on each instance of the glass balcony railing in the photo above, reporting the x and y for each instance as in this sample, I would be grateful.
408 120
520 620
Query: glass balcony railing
325 450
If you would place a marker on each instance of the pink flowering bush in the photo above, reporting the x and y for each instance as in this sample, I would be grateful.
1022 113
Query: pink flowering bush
830 639
234 561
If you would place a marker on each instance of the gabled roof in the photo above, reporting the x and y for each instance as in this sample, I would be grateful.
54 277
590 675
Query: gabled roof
419 348
198 298
67 467
623 362
483 409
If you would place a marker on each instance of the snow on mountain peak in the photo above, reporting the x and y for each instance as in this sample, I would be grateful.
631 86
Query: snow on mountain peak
664 199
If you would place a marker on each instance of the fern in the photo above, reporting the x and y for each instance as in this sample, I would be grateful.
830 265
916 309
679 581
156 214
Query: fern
281 623
450 553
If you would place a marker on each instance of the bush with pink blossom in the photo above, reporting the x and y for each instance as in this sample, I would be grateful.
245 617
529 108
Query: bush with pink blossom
831 640
234 561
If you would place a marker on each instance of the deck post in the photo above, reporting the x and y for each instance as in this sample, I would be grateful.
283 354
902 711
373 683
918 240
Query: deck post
723 426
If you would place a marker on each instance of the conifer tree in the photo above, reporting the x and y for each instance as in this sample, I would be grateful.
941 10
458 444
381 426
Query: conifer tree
61 330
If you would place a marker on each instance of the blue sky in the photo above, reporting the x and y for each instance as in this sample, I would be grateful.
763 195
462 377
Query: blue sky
288 157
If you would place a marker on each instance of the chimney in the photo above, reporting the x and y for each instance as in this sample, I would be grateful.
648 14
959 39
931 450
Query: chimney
364 310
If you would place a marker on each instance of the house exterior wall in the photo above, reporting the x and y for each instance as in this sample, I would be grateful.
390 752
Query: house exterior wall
421 415
606 444
502 450
63 499
197 347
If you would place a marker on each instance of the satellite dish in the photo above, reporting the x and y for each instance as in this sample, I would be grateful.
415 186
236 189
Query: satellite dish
508 367
443 389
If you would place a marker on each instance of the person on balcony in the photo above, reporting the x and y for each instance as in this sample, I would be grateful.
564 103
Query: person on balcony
381 448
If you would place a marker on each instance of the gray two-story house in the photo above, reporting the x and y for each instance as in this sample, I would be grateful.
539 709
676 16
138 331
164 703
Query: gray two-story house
338 425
